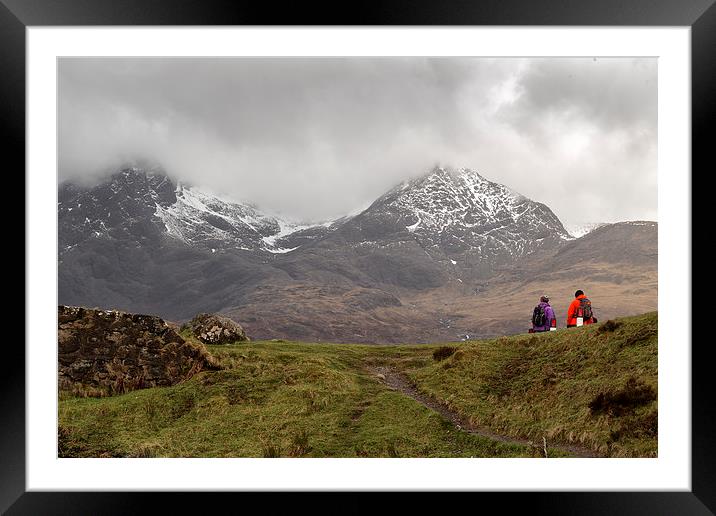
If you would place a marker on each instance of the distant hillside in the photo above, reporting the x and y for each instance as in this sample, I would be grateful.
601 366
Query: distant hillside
579 230
616 266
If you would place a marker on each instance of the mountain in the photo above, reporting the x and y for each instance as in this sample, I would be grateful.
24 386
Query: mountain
579 230
459 218
146 204
116 251
401 270
445 227
615 265
121 208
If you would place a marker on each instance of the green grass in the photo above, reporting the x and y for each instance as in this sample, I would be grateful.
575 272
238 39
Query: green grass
543 385
318 400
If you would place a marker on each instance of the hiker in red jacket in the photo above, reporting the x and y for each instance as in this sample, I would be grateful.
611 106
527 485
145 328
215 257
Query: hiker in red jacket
580 311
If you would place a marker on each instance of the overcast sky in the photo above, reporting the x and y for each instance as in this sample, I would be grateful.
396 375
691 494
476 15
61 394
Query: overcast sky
316 138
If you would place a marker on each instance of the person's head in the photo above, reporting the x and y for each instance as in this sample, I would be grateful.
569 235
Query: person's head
544 299
578 293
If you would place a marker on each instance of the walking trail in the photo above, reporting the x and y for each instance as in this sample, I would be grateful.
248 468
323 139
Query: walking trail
398 382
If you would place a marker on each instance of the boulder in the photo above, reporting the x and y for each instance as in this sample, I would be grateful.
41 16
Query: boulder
216 329
104 352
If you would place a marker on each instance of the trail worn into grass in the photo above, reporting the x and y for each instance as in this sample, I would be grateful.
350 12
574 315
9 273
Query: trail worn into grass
592 392
399 382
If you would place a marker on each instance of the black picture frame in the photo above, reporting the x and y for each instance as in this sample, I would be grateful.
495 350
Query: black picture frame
16 15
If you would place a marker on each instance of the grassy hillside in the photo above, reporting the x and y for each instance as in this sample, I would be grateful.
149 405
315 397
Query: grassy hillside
596 386
587 386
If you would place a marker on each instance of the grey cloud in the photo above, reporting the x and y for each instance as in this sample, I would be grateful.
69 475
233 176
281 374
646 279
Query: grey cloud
611 92
315 138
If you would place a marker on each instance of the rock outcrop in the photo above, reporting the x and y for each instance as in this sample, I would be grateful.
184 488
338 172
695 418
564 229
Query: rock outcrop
216 329
103 352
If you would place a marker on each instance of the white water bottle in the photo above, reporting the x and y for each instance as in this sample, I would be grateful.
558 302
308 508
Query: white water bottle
580 318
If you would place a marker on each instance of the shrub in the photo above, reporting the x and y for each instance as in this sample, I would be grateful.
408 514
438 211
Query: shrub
443 352
609 326
615 403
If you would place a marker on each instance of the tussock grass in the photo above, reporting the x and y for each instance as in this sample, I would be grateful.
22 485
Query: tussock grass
584 385
271 400
610 325
286 399
443 352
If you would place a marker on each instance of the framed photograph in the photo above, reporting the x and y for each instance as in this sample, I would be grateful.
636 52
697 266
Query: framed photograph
424 250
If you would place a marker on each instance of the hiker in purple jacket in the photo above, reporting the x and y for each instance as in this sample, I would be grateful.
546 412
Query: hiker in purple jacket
549 319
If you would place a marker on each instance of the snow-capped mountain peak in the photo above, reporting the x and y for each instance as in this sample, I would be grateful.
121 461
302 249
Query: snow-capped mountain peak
451 211
463 199
200 218
146 203
457 215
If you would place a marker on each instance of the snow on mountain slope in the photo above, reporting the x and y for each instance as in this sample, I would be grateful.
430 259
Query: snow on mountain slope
579 230
436 257
142 203
120 207
199 218
451 212
458 211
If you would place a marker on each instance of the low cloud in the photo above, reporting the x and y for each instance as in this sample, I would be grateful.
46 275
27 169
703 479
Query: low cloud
315 138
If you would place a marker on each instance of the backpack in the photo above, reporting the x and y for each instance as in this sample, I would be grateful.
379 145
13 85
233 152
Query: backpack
539 318
585 306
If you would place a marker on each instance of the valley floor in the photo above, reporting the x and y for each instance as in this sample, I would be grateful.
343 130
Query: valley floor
579 392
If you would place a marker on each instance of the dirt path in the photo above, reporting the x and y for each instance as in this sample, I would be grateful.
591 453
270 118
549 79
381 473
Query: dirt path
399 382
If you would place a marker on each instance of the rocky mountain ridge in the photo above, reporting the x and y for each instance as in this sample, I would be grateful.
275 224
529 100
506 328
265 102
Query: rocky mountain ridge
142 242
